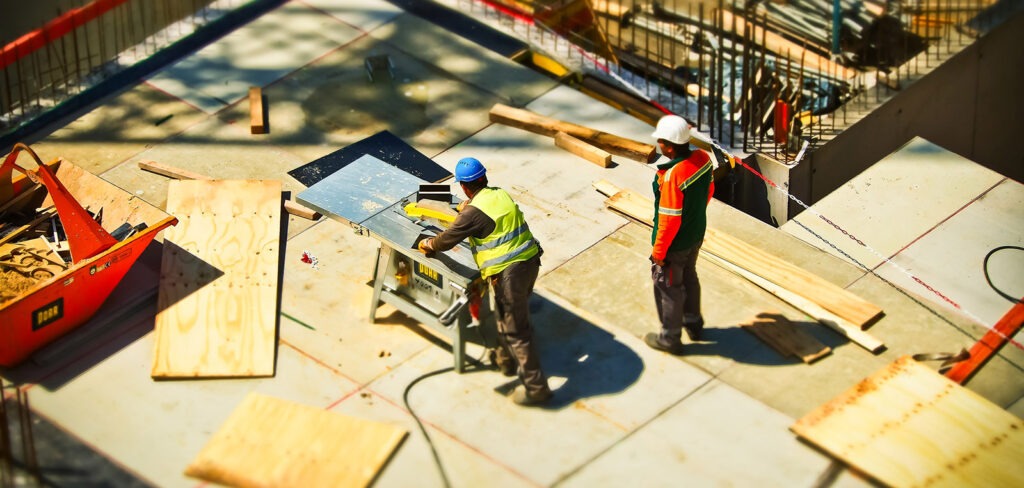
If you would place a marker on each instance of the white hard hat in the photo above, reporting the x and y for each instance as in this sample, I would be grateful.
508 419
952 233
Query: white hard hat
672 128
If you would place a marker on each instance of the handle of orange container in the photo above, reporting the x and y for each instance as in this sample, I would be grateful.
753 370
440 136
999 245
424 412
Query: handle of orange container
86 237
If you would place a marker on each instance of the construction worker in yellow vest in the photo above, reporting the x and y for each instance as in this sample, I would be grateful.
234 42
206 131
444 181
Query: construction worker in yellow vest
509 257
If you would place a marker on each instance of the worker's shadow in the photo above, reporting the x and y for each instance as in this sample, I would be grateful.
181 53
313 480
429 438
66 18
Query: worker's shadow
580 359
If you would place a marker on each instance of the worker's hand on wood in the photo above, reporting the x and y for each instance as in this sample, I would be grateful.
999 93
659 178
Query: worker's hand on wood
426 247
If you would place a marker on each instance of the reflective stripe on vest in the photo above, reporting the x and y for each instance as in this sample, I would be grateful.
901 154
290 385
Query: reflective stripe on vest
510 242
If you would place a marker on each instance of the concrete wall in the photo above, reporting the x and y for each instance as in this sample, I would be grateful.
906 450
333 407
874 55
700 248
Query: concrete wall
972 105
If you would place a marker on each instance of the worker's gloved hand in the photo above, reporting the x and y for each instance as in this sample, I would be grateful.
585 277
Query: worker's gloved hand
659 262
425 246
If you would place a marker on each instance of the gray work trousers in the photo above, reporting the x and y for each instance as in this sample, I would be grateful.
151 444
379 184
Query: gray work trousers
677 292
512 290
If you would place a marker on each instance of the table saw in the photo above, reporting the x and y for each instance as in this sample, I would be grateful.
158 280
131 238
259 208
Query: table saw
370 195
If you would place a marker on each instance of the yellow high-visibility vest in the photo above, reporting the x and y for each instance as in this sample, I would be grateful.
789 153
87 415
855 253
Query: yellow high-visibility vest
510 242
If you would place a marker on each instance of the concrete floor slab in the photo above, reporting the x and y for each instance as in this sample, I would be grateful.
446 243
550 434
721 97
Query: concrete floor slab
950 258
210 148
413 463
325 311
332 103
931 183
465 60
542 444
714 434
256 54
158 427
118 129
365 15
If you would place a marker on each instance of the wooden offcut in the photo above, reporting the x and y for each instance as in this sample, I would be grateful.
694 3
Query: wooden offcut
270 442
257 120
547 126
907 425
184 174
593 154
217 302
778 332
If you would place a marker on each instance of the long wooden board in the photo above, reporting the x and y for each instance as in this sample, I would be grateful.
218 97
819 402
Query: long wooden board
907 425
828 295
217 301
547 126
270 442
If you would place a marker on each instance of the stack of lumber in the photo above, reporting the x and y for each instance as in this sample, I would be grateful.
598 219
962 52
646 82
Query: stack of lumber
827 302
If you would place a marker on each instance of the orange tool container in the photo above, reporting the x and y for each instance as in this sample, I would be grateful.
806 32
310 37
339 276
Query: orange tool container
55 305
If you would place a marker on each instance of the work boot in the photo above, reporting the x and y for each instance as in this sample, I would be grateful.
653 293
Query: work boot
503 361
694 329
521 397
653 340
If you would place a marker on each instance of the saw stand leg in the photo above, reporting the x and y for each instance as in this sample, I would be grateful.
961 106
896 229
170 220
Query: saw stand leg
378 281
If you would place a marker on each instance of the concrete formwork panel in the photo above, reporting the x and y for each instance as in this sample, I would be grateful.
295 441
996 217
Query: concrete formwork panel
365 15
161 426
118 129
333 102
465 60
257 54
716 433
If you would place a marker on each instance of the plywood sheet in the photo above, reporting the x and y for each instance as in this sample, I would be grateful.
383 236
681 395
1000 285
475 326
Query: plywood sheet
217 305
269 442
907 425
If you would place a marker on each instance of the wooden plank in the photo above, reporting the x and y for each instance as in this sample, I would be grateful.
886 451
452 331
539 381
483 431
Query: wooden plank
270 442
593 154
257 124
547 126
830 320
39 218
989 345
828 295
217 304
779 333
907 425
184 174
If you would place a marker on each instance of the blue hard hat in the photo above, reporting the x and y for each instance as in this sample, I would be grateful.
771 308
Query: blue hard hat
469 169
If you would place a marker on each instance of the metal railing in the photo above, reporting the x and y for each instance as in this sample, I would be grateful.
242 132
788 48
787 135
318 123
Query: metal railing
88 44
759 76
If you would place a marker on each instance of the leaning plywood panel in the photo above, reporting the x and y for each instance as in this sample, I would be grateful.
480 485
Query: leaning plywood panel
269 442
907 425
217 305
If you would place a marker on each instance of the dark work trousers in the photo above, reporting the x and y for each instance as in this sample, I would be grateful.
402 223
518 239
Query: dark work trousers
512 290
676 291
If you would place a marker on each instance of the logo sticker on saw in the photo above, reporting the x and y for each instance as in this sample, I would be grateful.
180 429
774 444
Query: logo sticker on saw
428 274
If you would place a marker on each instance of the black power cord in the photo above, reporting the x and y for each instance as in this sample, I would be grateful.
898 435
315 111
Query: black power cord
984 267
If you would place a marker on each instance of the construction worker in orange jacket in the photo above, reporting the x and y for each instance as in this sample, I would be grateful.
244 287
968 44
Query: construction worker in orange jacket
683 187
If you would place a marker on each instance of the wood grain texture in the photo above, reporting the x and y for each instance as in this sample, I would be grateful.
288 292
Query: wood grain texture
907 425
184 174
217 303
547 126
586 151
269 442
257 124
778 332
831 297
